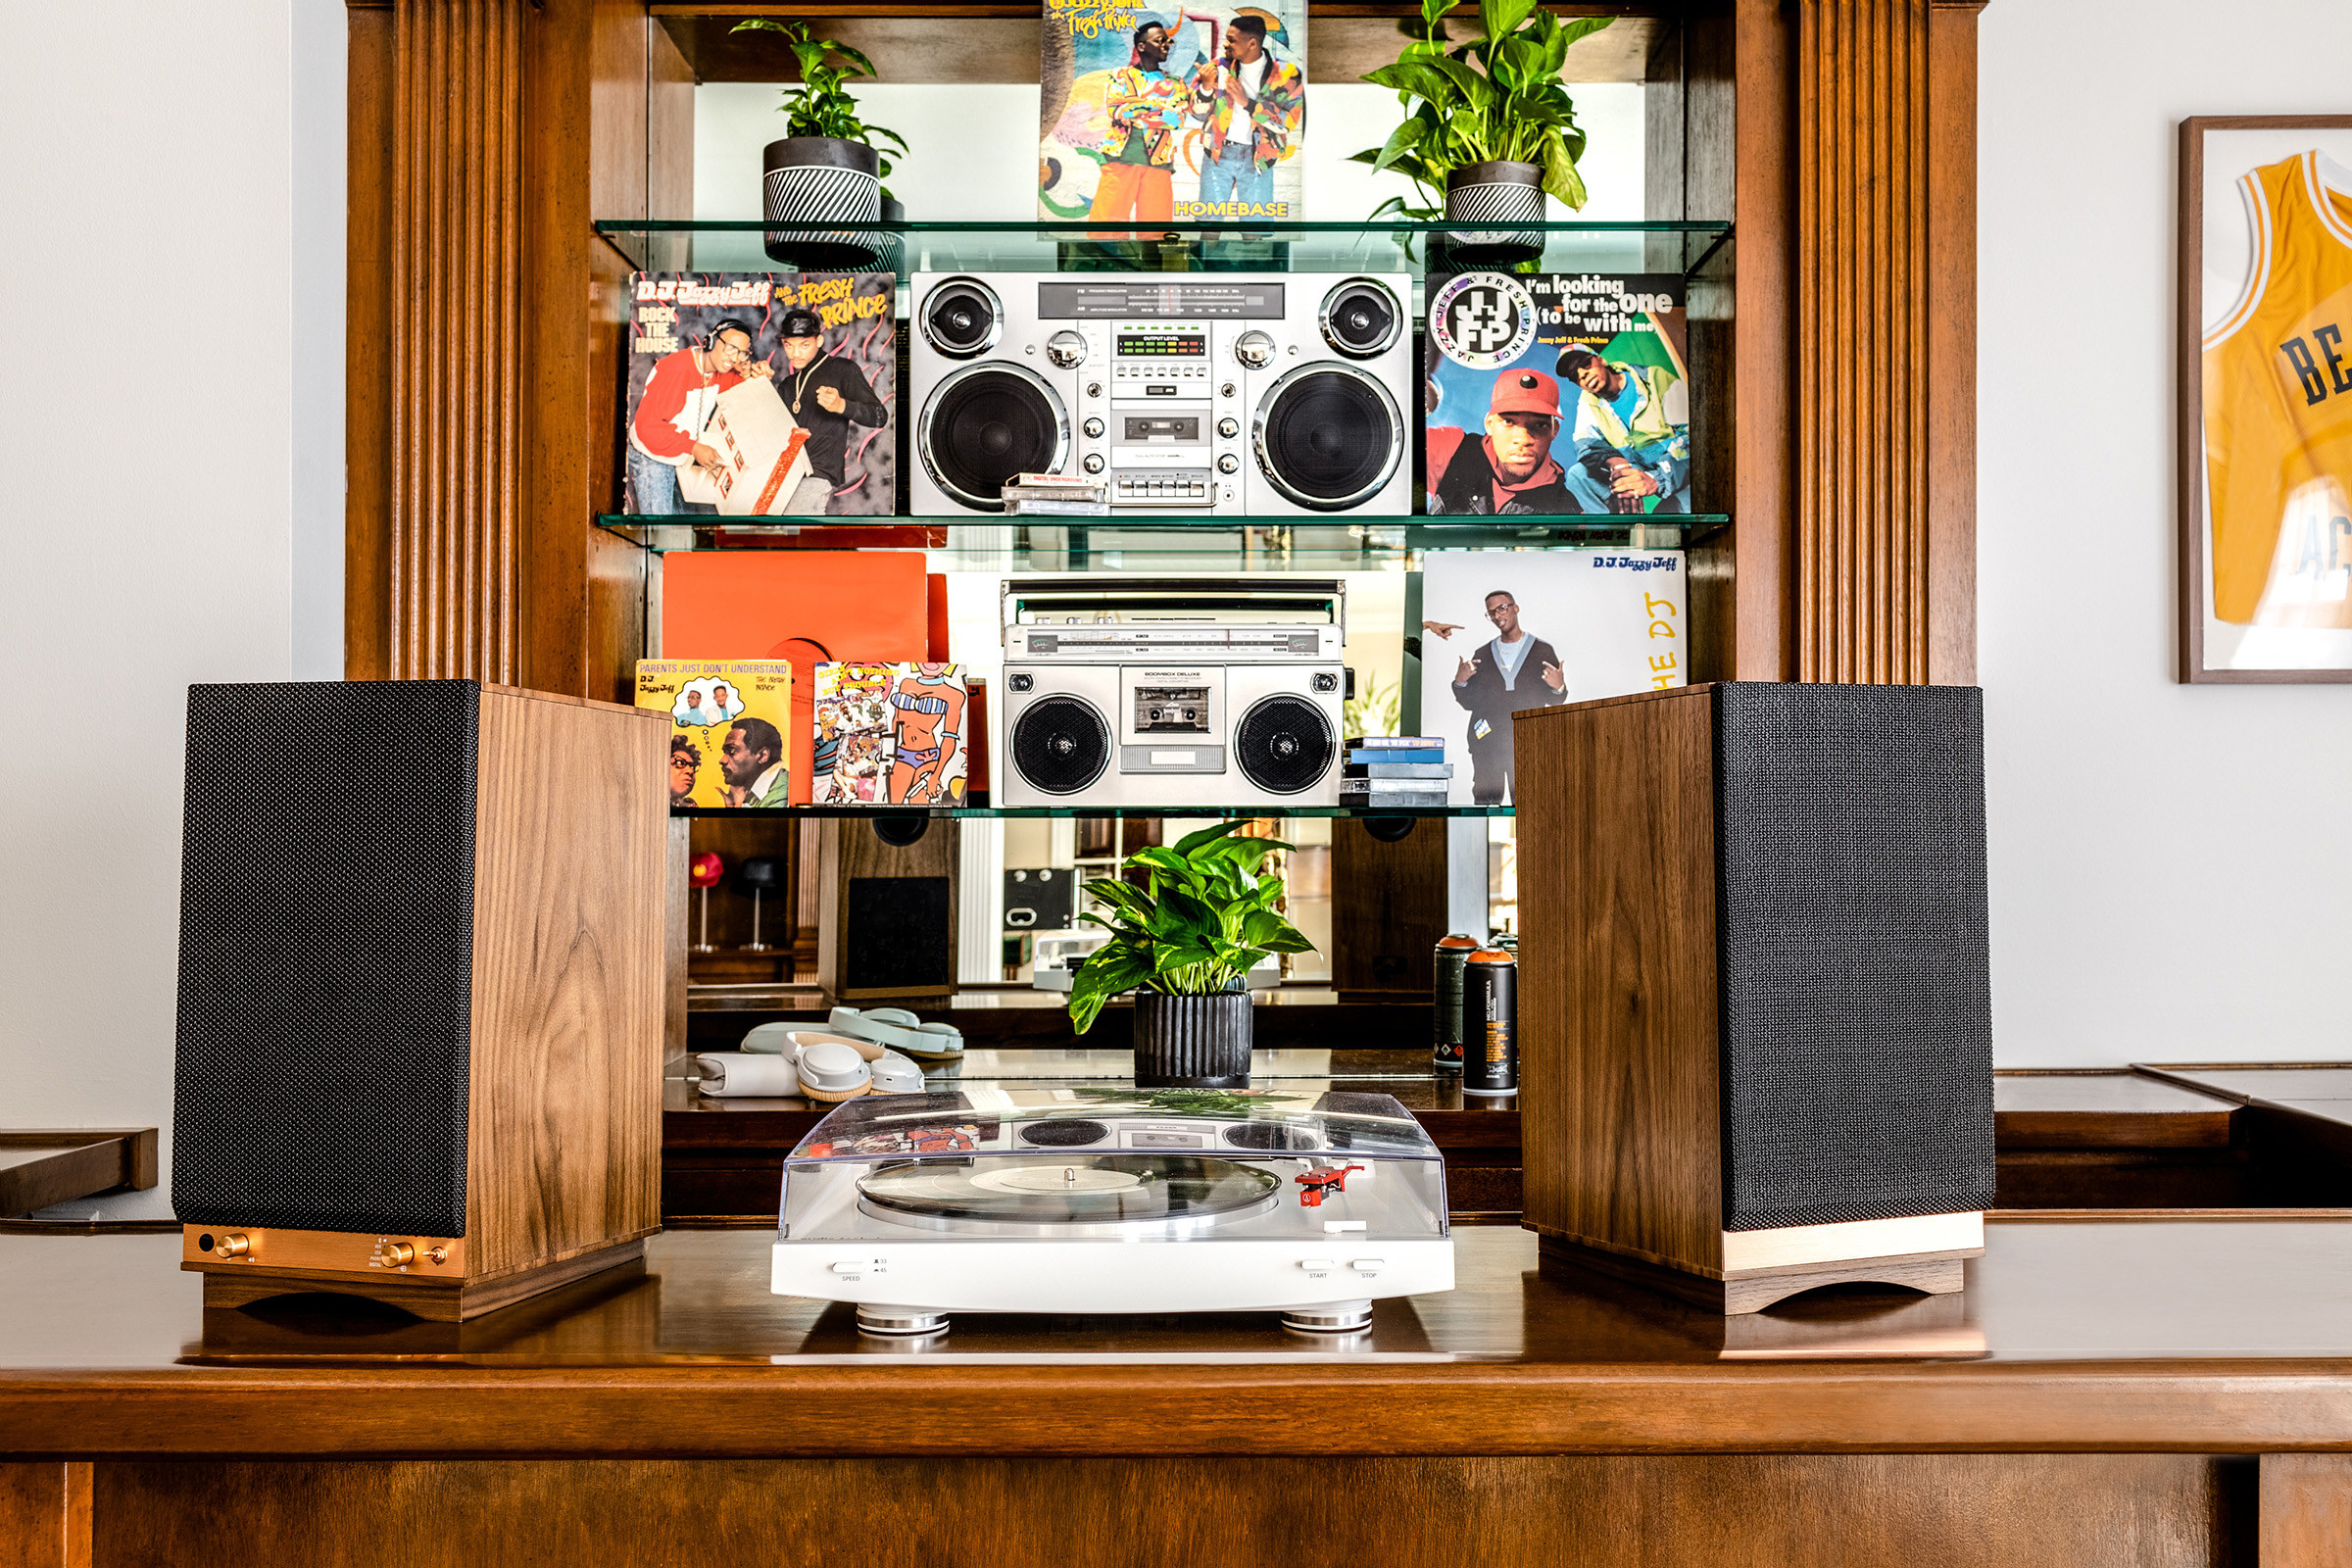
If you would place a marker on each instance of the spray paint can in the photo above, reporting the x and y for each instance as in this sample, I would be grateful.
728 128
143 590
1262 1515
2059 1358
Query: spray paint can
1491 1023
1446 1017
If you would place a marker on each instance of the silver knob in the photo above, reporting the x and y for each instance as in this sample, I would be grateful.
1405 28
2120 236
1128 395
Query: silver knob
1094 463
1093 427
1254 349
1228 464
1067 349
1228 427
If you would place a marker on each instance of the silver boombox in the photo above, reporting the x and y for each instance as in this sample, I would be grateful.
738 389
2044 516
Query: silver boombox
1223 394
1171 693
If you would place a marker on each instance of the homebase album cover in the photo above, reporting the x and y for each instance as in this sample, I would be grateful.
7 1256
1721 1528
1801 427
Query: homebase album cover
729 719
1501 631
891 734
1562 392
1172 113
761 394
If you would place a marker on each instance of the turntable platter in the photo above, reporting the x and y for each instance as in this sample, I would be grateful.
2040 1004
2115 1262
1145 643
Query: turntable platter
1072 1188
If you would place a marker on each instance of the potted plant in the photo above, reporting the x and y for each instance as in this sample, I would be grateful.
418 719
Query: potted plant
1492 126
828 166
1184 936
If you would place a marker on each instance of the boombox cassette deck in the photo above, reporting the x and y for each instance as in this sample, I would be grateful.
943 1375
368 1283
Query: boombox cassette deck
1223 395
1176 692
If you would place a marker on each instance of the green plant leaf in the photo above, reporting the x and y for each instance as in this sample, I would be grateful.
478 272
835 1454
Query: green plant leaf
1210 835
866 67
1108 972
1500 19
1477 90
1559 173
1422 78
1399 142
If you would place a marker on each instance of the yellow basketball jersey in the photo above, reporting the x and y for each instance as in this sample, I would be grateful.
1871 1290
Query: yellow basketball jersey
2278 411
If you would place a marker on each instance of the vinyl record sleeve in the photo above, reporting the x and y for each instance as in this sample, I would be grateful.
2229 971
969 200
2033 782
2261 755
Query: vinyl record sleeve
730 723
1172 112
676 393
891 735
1562 392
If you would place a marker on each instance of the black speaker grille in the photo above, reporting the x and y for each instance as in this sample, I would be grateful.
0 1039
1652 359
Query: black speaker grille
1857 1015
1327 438
1060 745
1283 744
325 957
987 426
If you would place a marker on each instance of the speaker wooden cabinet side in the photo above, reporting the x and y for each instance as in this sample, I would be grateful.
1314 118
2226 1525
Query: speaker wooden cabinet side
1617 989
564 1147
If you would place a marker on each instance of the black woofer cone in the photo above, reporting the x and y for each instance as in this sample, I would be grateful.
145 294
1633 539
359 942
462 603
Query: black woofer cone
986 423
1060 745
1284 743
1327 436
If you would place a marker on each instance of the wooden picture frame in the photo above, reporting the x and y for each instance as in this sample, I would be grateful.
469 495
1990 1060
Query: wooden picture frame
2213 651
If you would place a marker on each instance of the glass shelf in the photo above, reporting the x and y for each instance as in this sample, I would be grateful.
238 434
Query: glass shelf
737 245
1098 809
1177 544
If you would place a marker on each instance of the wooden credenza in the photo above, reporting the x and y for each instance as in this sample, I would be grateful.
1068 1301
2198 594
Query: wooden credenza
2149 1391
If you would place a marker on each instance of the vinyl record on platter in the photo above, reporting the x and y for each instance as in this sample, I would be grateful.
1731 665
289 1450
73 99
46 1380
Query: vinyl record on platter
1072 1188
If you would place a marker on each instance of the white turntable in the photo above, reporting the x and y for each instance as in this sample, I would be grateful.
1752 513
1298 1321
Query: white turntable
1030 1200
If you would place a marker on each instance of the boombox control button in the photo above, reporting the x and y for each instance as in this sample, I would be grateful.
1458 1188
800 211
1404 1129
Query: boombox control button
1094 389
1067 349
235 1243
1254 349
1093 426
1228 389
394 1254
1228 427
1093 462
1228 464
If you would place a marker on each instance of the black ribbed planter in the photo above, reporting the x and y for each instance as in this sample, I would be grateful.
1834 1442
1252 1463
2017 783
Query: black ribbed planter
806 181
1193 1042
1495 192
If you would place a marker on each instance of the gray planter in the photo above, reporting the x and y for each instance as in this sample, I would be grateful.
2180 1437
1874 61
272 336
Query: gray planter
1494 193
1193 1042
811 180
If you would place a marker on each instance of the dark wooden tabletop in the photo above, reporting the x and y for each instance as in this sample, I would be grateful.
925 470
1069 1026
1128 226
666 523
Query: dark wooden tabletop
2152 1334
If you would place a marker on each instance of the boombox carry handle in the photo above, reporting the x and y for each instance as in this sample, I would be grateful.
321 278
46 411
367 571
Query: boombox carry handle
1109 598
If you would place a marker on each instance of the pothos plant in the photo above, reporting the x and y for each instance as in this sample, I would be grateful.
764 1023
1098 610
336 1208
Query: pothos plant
1198 919
819 103
1498 99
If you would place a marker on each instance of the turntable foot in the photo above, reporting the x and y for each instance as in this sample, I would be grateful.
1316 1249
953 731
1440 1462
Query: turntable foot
1329 1317
901 1321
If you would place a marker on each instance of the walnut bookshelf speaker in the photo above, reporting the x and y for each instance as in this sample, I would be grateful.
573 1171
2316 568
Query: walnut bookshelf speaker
420 991
1756 1028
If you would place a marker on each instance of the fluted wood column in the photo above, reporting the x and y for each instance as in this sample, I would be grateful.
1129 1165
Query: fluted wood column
456 283
1885 376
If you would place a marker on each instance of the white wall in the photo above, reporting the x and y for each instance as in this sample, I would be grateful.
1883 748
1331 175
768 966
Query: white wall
2172 866
147 428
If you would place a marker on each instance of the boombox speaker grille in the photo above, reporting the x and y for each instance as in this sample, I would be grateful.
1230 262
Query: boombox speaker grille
987 423
1856 1015
1060 745
1283 744
325 957
1327 436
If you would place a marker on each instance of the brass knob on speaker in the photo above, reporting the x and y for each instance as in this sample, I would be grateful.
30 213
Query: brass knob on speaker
395 1255
234 1243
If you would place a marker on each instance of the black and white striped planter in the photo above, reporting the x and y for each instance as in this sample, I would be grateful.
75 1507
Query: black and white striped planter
814 181
1494 193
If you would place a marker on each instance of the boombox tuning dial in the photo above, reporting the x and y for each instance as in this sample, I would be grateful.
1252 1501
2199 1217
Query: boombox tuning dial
1067 349
1254 349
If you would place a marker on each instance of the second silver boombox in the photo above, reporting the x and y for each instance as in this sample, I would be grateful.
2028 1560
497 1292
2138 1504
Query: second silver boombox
1224 393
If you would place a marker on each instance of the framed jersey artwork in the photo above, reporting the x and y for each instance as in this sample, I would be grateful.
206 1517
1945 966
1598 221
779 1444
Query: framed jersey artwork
2266 398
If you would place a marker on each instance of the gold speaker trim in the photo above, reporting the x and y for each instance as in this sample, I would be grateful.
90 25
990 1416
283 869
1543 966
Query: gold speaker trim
352 1254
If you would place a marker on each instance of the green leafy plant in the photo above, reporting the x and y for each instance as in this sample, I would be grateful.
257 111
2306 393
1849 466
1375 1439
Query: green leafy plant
1499 98
819 103
1195 921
